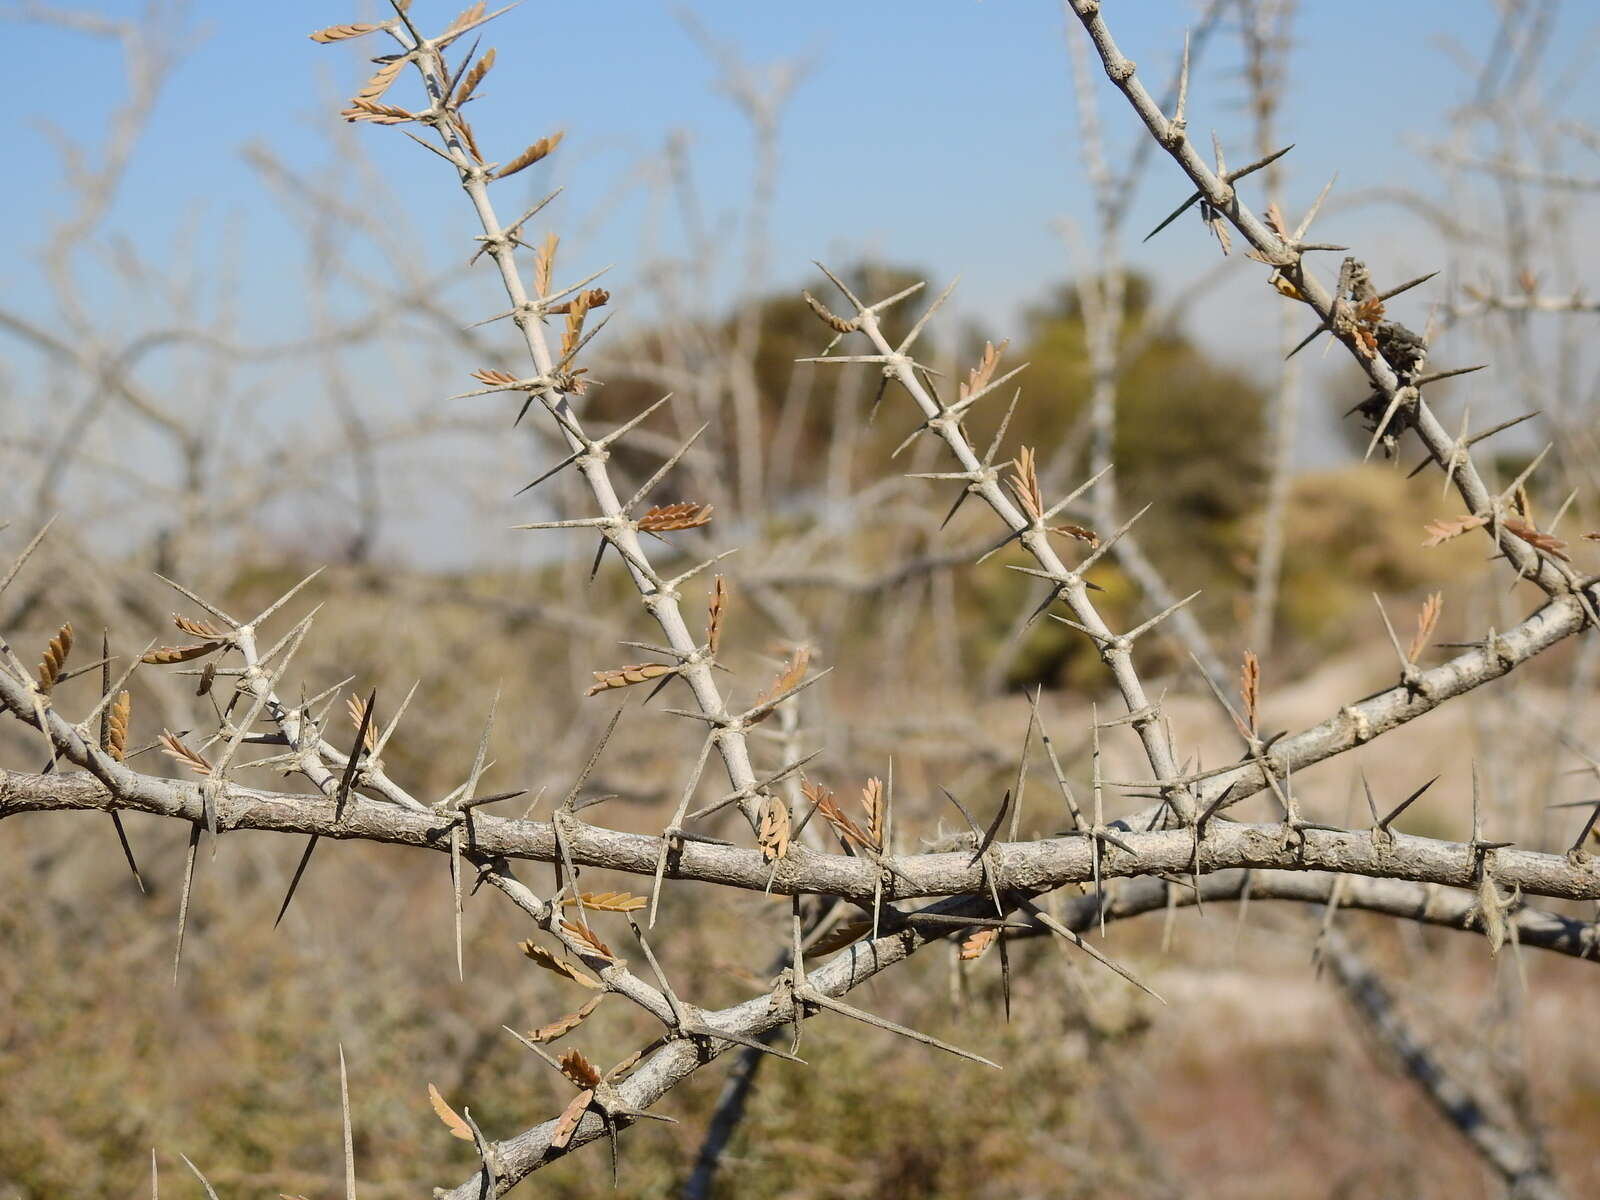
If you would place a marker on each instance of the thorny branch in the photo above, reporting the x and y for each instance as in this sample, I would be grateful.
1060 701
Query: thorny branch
1182 848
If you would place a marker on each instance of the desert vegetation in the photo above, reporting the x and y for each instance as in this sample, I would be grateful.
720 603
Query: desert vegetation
920 758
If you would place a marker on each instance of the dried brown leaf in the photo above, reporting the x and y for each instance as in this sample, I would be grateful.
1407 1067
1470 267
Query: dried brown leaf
791 675
457 1127
576 310
978 378
164 656
381 81
378 114
627 676
1079 532
1492 908
531 155
560 1028
356 706
199 629
559 966
606 901
686 514
589 939
567 1122
172 746
1224 238
1547 542
55 657
626 1065
872 801
832 320
493 377
1250 686
1024 483
718 605
1284 286
470 81
772 834
117 725
1442 531
338 33
1427 619
544 263
467 136
841 935
465 17
579 1069
593 298
975 945
847 829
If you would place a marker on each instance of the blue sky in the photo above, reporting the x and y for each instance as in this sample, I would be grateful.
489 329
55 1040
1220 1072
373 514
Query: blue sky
941 134
938 133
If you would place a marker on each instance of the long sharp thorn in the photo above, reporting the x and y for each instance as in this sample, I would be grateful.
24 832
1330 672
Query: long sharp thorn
661 471
994 828
1407 286
349 1138
1211 811
1309 338
27 552
956 507
1316 207
285 598
1383 423
105 744
127 851
1159 617
877 399
633 422
900 295
843 1009
394 721
350 767
1057 927
560 466
655 691
1235 176
1022 766
195 831
599 553
839 283
455 888
1175 214
1588 826
211 1193
1055 594
1436 376
1372 804
1000 433
205 604
977 831
1405 804
1178 118
1005 975
927 314
1501 427
294 882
